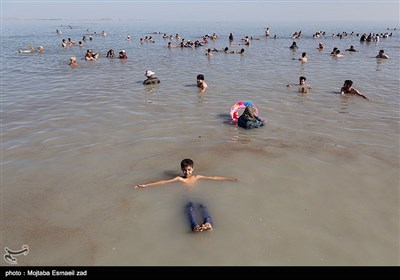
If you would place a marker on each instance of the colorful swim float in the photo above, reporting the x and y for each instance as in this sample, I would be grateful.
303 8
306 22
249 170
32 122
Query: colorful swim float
240 105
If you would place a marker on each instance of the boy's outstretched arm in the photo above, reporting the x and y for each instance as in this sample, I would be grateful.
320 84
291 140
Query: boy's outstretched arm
217 178
162 182
360 94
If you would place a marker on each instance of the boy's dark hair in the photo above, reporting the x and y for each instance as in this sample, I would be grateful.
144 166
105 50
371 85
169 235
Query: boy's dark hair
187 162
349 82
200 77
302 78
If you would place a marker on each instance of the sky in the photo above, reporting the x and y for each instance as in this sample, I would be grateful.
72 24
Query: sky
206 10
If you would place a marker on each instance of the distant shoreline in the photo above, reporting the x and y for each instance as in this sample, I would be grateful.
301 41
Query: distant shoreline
58 19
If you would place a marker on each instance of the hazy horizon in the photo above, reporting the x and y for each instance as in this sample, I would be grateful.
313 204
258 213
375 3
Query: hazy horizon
220 11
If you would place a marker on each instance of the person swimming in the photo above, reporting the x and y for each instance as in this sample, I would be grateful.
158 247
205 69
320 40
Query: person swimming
382 54
111 53
201 84
122 55
151 79
351 49
30 50
249 118
72 62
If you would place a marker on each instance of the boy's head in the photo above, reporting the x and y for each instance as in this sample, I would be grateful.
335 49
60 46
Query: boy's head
200 77
187 167
302 80
348 83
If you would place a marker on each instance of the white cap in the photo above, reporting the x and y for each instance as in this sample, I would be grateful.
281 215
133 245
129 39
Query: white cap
148 73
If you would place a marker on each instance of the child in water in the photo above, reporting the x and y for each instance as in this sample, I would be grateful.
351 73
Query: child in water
249 118
201 84
347 89
187 167
303 87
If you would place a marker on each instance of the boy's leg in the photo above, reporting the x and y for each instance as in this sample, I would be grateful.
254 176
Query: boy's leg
207 223
192 219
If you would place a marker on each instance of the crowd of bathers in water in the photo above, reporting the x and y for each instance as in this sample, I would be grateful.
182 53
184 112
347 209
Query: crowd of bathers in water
248 115
245 41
